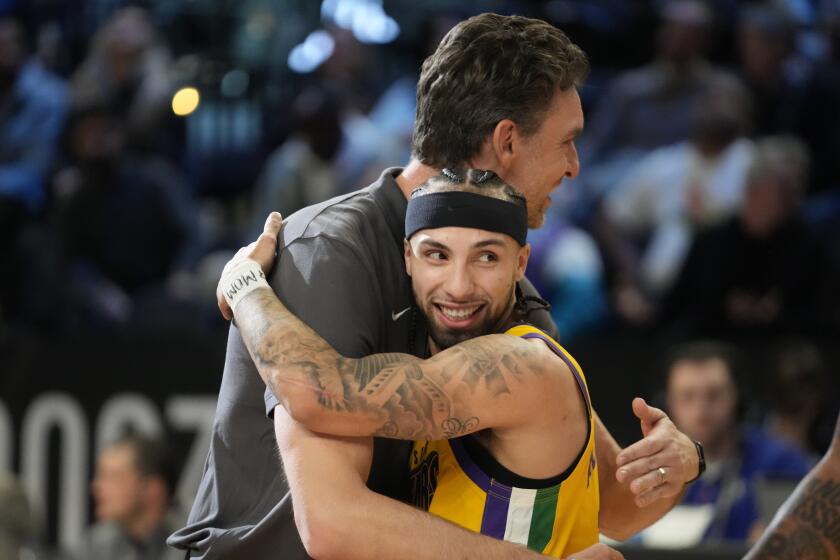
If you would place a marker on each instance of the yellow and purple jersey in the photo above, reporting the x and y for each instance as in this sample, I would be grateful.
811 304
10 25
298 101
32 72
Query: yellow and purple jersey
459 480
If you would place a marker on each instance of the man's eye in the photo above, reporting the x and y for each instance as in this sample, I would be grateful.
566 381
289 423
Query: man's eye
436 255
488 257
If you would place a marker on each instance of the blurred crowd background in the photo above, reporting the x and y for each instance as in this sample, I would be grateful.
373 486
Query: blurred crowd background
694 261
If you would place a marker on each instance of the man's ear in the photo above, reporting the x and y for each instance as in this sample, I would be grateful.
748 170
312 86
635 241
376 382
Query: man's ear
522 261
407 255
505 145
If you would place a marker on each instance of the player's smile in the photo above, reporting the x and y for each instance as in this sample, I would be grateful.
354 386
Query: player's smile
458 316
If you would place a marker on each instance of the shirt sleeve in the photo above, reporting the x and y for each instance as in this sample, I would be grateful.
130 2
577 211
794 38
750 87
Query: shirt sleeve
332 288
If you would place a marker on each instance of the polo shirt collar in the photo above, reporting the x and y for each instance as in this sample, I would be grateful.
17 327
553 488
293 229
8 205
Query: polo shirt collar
387 194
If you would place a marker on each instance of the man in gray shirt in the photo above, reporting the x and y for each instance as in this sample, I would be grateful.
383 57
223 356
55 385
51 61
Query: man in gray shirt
500 94
132 493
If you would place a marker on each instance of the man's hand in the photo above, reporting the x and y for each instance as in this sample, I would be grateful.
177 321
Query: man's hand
660 464
263 250
597 552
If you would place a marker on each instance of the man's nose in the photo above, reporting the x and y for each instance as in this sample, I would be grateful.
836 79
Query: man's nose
459 283
574 163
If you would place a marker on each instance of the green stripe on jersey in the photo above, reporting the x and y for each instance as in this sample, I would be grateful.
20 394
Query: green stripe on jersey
542 520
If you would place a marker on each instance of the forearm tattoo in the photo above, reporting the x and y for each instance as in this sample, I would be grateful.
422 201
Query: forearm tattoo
402 396
811 528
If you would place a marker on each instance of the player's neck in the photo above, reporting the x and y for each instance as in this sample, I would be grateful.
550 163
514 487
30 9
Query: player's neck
433 347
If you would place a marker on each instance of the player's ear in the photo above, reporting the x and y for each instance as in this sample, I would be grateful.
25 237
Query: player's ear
522 261
407 254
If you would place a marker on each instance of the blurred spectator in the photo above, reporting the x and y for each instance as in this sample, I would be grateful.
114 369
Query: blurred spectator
820 126
122 223
774 74
51 48
302 171
32 111
762 271
349 69
672 193
652 106
17 526
705 402
127 67
565 267
393 112
132 491
798 394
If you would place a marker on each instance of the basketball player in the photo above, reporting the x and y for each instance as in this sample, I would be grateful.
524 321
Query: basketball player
499 93
520 462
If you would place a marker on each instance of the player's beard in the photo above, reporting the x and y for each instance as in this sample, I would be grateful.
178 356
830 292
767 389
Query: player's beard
444 337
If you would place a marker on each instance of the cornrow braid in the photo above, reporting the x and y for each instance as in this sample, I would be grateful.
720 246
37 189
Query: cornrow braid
480 181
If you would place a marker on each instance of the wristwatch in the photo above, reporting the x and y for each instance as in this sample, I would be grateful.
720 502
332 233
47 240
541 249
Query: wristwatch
702 461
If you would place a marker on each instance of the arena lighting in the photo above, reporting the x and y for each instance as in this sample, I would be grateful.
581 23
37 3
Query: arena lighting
365 18
310 54
185 101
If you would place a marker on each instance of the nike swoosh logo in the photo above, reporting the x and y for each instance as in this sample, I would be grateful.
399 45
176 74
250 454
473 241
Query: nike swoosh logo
396 316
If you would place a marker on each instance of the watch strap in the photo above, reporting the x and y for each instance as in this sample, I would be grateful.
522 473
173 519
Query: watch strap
701 461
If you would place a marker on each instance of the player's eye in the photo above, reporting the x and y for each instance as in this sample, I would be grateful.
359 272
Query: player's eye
488 257
436 255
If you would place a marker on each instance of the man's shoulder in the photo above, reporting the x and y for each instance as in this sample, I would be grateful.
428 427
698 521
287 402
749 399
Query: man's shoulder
772 457
344 218
105 534
336 218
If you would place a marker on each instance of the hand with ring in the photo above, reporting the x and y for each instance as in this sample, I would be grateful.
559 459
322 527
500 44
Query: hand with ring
659 465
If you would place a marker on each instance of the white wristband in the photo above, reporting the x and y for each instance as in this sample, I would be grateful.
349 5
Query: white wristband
241 280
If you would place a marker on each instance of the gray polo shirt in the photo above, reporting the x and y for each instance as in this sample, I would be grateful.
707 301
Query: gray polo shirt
341 271
107 541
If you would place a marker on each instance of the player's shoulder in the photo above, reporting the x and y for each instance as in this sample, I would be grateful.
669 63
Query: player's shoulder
542 344
527 331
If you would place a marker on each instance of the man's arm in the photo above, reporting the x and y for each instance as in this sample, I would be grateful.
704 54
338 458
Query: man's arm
808 523
346 520
662 444
490 381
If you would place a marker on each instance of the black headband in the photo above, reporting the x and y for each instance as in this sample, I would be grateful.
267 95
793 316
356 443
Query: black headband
468 210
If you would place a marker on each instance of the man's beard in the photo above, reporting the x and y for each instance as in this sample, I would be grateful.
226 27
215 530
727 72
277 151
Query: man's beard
445 337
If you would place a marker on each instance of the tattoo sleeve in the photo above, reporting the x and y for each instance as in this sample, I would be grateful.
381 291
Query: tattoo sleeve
808 526
463 389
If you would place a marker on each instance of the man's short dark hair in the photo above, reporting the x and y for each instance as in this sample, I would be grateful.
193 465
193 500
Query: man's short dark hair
151 456
705 351
487 69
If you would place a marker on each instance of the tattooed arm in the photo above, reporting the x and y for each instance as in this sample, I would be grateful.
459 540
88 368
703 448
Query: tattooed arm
490 381
807 526
361 524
